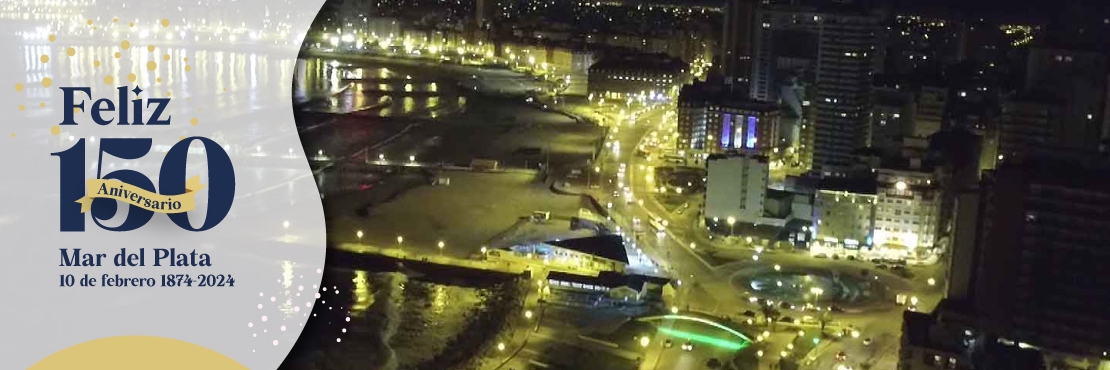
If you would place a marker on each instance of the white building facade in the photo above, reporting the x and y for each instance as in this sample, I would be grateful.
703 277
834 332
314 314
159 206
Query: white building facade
906 213
736 187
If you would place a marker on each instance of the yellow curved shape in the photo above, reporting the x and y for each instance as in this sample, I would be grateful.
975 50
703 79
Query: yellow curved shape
136 353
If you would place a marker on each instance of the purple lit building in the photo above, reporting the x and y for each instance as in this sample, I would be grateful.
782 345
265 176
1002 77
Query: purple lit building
715 118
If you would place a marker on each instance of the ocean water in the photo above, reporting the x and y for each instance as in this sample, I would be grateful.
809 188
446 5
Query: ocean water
389 321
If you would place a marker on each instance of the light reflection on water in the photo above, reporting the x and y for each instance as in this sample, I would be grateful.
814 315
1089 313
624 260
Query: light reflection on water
361 298
378 91
224 84
287 292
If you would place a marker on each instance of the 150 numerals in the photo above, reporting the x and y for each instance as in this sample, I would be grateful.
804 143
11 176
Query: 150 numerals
209 280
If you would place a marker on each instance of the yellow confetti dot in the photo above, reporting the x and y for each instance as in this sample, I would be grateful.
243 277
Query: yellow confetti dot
132 24
166 57
71 51
168 93
44 58
150 48
89 22
185 59
194 122
165 22
21 107
96 63
108 80
18 87
158 80
181 138
52 38
95 28
76 110
42 105
151 65
125 44
131 77
13 134
55 130
188 68
115 20
225 89
46 82
117 55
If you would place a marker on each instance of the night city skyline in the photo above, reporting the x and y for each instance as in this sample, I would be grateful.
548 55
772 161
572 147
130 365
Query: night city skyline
739 184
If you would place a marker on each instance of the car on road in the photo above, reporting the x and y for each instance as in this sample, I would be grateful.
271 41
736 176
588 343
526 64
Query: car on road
841 356
668 343
688 346
867 341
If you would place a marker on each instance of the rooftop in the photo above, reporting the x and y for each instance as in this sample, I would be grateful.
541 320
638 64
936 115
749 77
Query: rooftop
722 94
605 246
657 62
736 154
856 185
609 279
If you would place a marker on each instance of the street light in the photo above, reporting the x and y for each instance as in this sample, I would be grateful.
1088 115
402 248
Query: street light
731 221
932 282
645 341
501 346
778 268
400 239
528 314
381 157
359 235
817 293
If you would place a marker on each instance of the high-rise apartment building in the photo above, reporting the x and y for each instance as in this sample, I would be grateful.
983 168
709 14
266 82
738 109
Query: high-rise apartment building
1030 121
1030 253
949 339
736 40
1077 76
833 50
845 67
